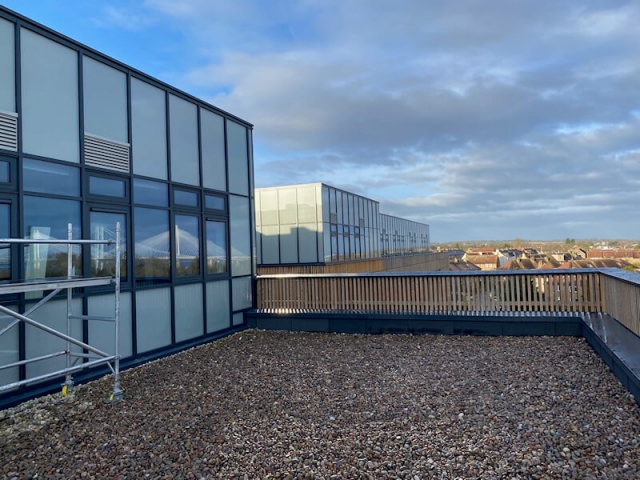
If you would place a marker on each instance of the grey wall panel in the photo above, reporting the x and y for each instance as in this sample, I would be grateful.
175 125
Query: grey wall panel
270 244
149 130
307 238
214 170
238 319
7 66
101 334
240 232
238 156
306 205
183 128
153 318
38 342
50 116
242 293
287 206
269 207
218 311
288 244
9 349
188 311
105 101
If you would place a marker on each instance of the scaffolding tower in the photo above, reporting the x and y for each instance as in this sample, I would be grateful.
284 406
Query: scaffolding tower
75 361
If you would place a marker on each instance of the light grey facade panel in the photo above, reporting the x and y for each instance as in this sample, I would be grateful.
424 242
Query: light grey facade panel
289 244
39 343
307 242
153 319
240 233
105 101
101 334
50 117
7 66
238 158
270 240
188 311
149 130
183 127
214 169
9 350
218 308
242 293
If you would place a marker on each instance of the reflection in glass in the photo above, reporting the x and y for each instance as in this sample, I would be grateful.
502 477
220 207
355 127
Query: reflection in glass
5 175
107 186
5 249
214 202
187 245
47 177
47 218
103 257
216 247
190 199
148 192
152 250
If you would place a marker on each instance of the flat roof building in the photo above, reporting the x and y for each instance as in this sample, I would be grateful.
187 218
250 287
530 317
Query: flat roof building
319 224
87 140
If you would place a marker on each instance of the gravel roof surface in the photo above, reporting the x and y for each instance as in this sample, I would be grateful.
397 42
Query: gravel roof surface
327 406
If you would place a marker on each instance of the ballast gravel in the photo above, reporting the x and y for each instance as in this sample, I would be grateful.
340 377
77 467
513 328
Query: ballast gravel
327 406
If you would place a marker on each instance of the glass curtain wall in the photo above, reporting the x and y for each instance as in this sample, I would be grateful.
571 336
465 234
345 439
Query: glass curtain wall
183 196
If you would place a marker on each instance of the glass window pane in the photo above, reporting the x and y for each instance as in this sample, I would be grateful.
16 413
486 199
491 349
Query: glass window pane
152 249
5 249
7 67
214 202
149 130
185 167
214 171
47 218
187 245
105 100
103 257
240 236
189 199
107 186
148 192
287 206
238 158
216 247
47 177
49 98
5 172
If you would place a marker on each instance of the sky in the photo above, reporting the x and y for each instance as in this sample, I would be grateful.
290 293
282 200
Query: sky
486 119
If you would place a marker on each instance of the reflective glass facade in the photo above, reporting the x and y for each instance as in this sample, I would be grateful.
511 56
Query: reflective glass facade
320 224
99 143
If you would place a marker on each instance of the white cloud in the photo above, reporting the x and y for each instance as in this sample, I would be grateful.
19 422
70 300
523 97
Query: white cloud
486 120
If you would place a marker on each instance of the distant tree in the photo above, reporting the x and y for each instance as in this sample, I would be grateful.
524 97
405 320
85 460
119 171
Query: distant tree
458 247
570 241
506 245
629 268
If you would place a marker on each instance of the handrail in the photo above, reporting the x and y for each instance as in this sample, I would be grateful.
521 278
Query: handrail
487 292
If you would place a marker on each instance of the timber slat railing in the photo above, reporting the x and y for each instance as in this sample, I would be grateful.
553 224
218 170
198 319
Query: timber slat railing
434 292
574 291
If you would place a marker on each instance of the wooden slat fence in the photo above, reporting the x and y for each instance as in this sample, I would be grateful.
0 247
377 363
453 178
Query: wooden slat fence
482 293
622 301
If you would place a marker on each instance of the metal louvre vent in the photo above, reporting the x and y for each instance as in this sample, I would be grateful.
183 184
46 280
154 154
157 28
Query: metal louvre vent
9 130
103 153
